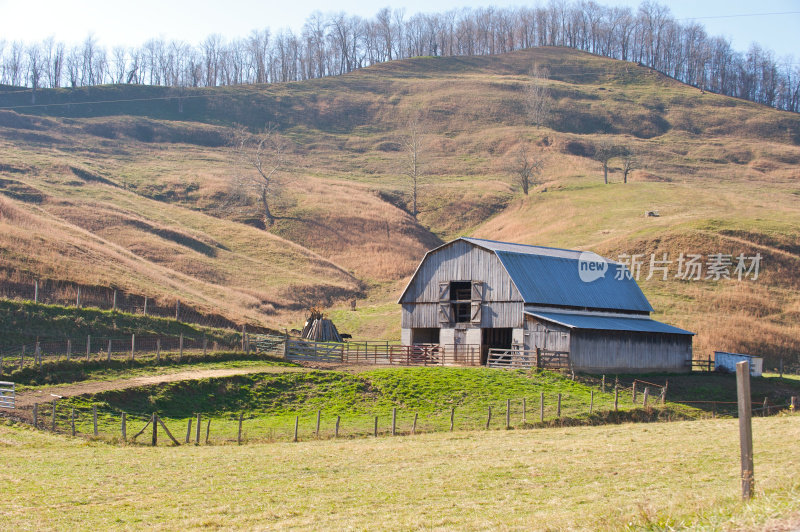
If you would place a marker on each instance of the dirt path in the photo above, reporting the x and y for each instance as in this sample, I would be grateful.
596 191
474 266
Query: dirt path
28 398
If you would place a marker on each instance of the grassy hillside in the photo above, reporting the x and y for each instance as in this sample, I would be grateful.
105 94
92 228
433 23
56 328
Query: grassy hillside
597 478
137 192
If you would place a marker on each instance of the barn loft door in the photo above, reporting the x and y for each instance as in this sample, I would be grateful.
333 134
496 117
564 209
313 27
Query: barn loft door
444 292
477 300
445 313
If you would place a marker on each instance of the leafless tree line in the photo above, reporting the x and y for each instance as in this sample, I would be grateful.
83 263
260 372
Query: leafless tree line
337 43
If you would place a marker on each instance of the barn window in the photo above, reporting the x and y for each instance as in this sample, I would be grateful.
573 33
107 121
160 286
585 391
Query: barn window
460 290
462 312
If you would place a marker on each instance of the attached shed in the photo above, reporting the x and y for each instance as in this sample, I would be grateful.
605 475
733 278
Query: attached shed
500 295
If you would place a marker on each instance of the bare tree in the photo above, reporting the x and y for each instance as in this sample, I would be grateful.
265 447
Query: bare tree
258 160
413 167
526 168
537 98
629 163
605 152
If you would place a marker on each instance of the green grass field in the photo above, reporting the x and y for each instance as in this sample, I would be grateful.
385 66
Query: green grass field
661 476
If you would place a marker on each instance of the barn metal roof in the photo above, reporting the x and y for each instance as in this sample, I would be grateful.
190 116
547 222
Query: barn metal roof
608 323
555 280
494 245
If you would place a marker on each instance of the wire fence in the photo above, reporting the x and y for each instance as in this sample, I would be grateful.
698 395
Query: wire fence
104 348
107 298
99 421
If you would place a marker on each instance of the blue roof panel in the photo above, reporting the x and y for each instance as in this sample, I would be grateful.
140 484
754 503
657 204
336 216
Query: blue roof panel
555 280
608 323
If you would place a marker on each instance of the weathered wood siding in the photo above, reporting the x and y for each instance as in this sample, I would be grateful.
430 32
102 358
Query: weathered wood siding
629 352
461 261
546 335
493 314
501 302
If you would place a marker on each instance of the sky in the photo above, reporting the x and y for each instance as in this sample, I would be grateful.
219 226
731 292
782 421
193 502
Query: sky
130 23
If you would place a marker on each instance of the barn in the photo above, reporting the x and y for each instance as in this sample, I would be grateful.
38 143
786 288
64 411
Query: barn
519 300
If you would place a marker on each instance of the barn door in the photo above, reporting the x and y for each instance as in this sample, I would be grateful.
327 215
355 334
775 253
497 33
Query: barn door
445 313
477 300
444 292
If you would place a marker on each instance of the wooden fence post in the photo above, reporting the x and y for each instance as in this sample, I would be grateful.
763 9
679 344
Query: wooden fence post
197 431
69 348
541 407
603 384
394 421
72 421
591 401
37 355
524 408
375 429
508 414
336 430
558 410
241 418
616 398
36 291
205 344
296 424
319 415
53 427
109 349
144 310
793 404
36 415
452 417
244 333
94 419
22 358
124 427
180 348
158 350
189 431
489 417
78 298
745 427
178 310
208 429
663 398
646 395
155 430
634 392
414 425
114 304
88 345
133 346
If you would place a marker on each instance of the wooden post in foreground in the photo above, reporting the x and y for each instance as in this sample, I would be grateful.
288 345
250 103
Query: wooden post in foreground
53 427
634 392
241 418
296 424
88 345
124 427
319 415
489 418
524 408
541 407
133 346
155 429
603 384
745 427
336 429
414 426
558 410
616 398
180 348
36 415
646 395
508 414
94 418
208 429
189 431
375 430
72 421
394 421
197 431
452 417
591 401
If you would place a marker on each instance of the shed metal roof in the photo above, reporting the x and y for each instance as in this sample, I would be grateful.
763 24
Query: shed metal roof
555 280
608 323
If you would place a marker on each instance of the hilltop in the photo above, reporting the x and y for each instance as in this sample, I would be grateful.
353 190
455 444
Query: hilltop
137 192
